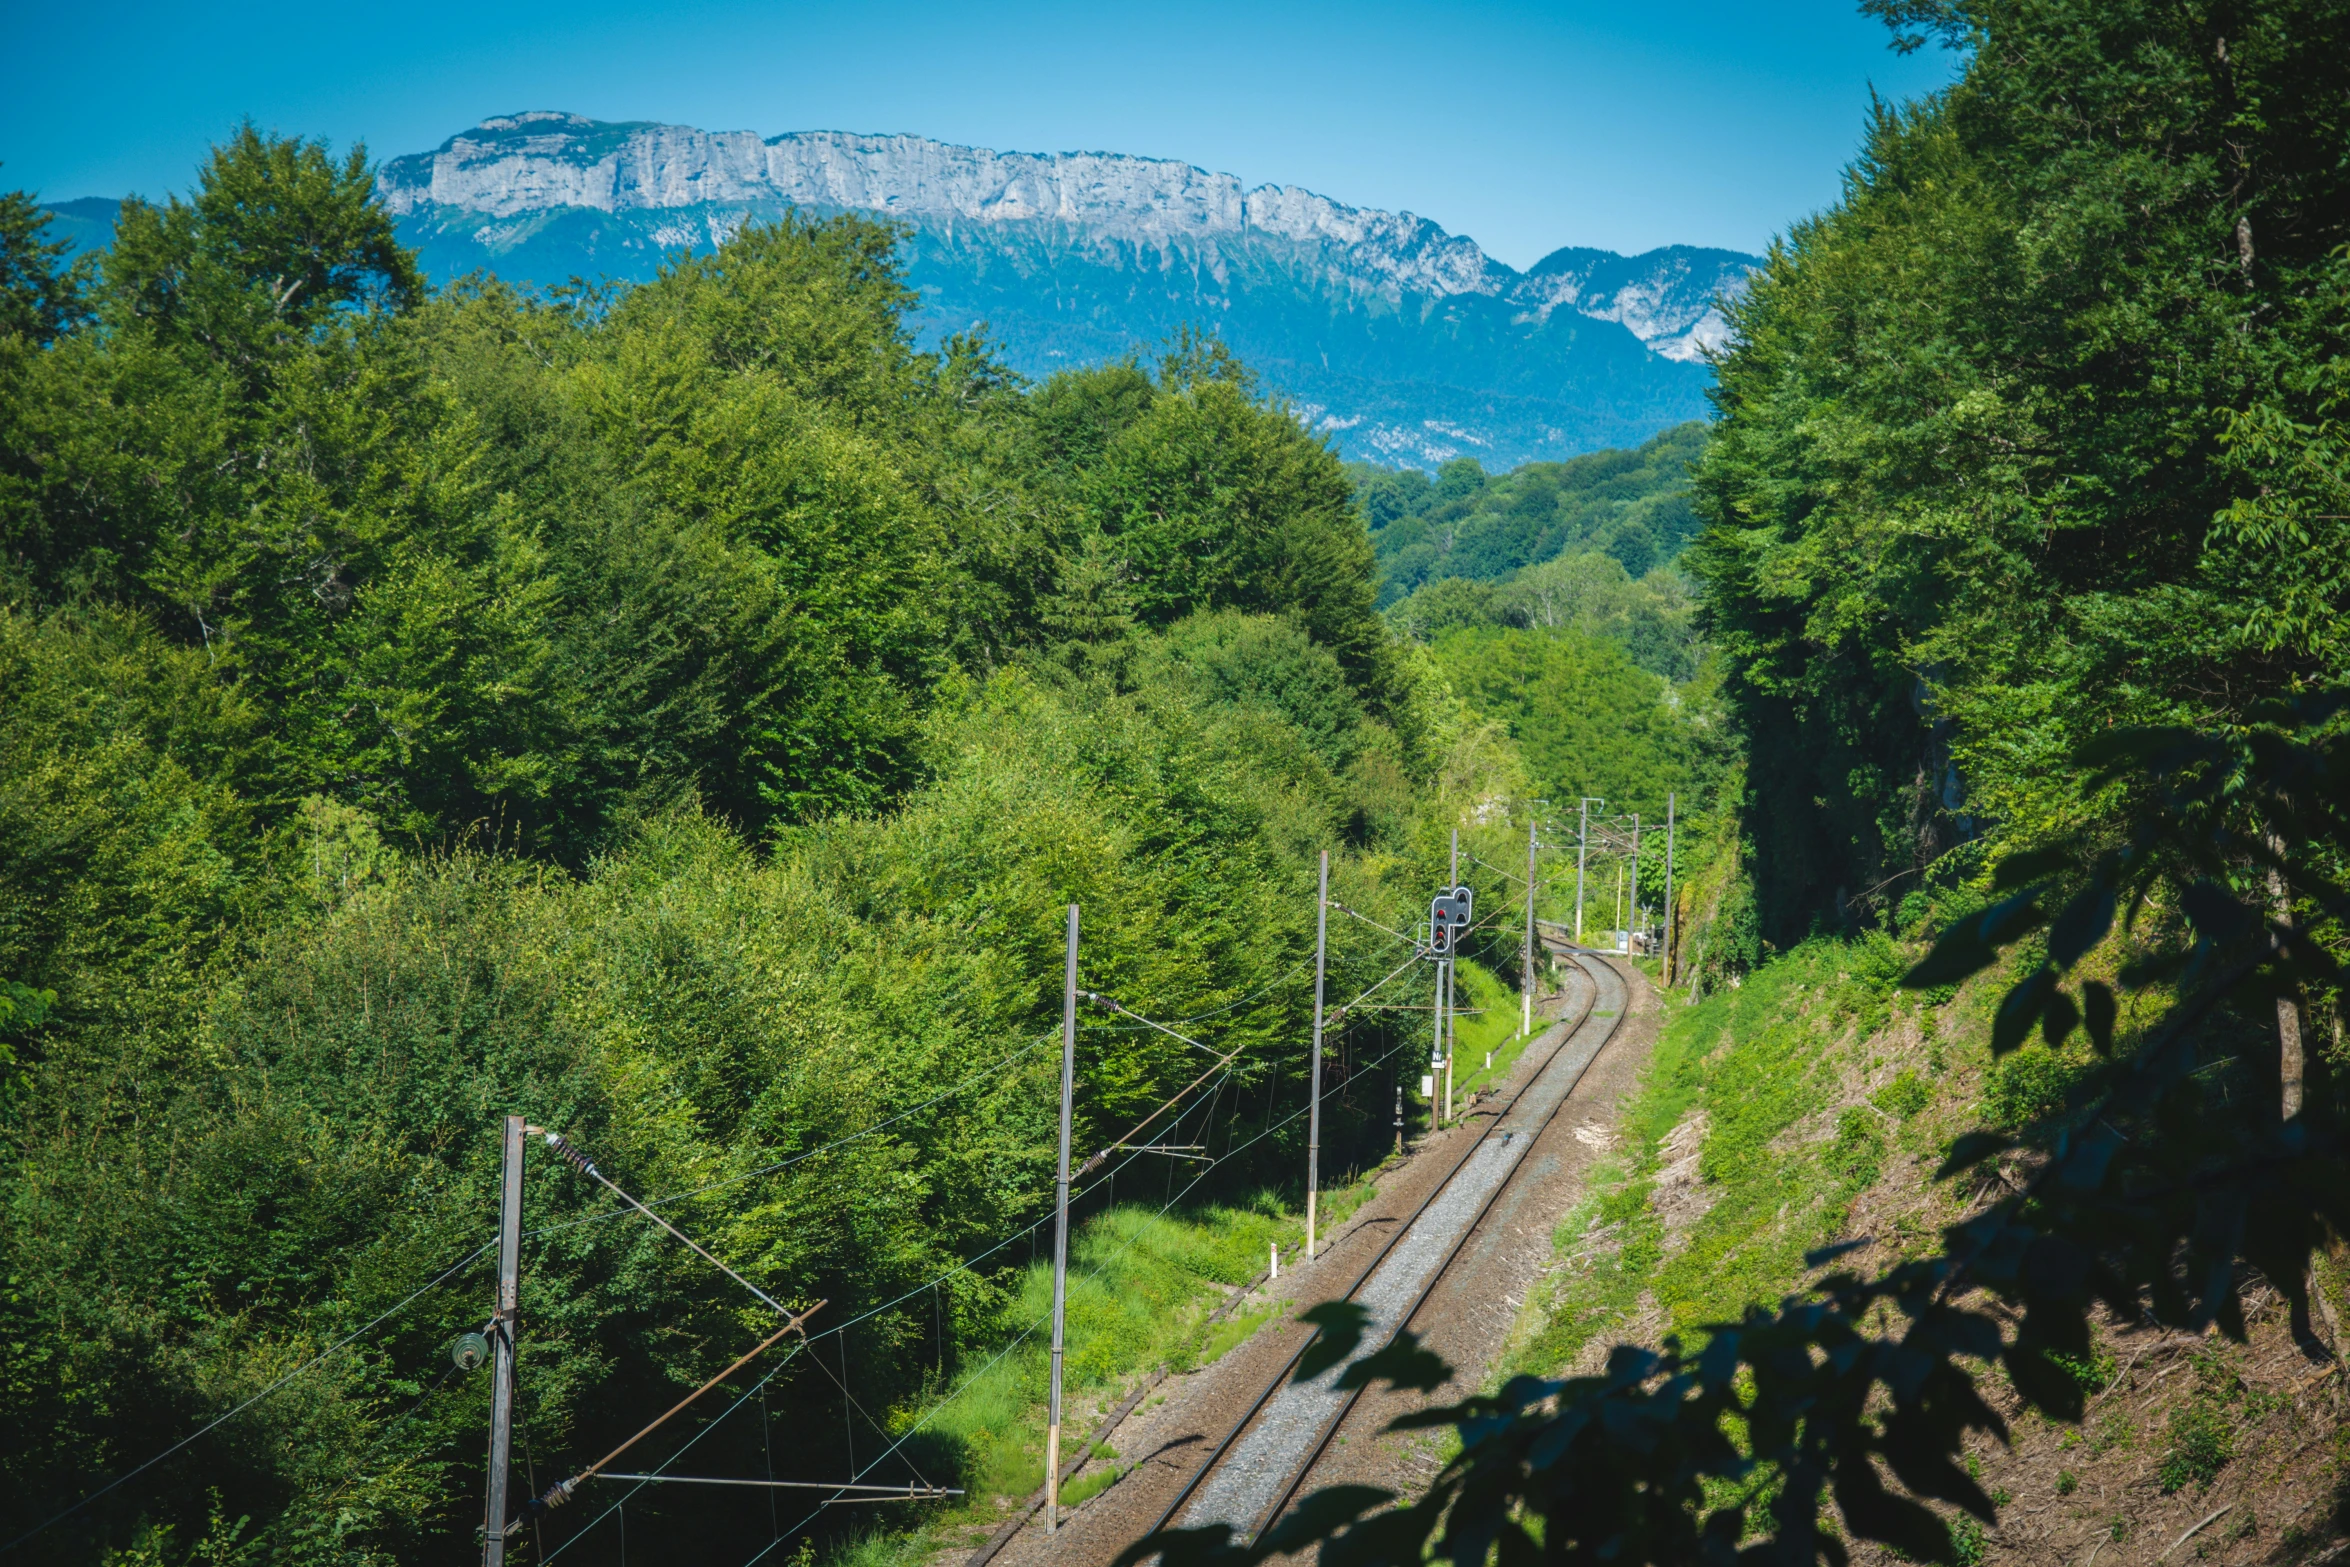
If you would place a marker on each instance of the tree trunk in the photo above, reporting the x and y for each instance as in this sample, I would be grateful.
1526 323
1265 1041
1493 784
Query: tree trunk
2291 1054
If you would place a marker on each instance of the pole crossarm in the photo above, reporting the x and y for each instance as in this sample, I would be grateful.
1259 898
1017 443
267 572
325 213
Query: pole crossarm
1101 1158
908 1492
1110 1004
560 1492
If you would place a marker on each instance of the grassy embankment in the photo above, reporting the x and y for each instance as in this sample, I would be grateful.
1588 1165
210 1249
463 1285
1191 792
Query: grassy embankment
1142 1285
1810 1104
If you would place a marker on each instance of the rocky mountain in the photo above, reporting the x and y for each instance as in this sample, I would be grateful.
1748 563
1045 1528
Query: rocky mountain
1403 342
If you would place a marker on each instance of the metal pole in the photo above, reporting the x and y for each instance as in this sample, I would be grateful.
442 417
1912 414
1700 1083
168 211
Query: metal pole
1616 908
1526 998
1052 1430
1314 1094
1582 854
1445 979
493 1535
1436 1048
1670 911
1634 922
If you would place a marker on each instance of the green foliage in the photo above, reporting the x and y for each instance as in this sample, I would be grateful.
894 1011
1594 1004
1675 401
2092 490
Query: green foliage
1905 1096
2190 1159
2028 1086
1257 661
681 717
38 298
1631 507
2030 433
2202 1440
1652 619
1210 500
1730 1085
1588 721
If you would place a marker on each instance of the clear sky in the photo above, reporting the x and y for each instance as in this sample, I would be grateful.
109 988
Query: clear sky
1527 127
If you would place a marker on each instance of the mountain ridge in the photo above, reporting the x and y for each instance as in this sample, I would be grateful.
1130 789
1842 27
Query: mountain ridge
1396 339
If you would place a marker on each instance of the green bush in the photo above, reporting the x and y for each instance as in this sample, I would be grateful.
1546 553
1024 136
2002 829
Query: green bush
2202 1440
2030 1084
1905 1096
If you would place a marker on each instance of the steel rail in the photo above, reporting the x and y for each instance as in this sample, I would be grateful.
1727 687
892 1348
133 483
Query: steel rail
1281 1378
1272 1515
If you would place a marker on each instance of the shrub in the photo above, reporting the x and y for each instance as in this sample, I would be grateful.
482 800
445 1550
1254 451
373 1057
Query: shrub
1905 1096
2201 1445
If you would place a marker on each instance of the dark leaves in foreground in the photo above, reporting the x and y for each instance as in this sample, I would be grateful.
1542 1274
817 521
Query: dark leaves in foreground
1843 1412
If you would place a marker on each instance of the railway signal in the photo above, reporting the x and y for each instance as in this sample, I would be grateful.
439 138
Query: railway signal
1449 916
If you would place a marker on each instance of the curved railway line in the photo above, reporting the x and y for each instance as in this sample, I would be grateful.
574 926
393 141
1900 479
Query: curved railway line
1250 1477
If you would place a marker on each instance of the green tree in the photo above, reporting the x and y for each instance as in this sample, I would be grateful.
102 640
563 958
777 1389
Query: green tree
278 238
38 298
1211 499
2020 438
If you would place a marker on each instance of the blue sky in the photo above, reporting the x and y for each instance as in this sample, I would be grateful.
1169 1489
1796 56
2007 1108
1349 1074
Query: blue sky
1527 127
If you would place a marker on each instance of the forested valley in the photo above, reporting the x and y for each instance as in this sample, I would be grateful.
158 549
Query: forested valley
682 714
679 715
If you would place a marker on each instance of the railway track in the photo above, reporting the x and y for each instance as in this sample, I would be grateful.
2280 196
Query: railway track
1251 1476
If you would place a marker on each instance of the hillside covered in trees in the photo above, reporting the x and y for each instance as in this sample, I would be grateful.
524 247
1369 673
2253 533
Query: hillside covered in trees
2023 571
679 715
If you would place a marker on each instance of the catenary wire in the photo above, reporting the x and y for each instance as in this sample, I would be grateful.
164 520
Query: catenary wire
340 1344
760 1386
1409 941
961 1267
1025 1332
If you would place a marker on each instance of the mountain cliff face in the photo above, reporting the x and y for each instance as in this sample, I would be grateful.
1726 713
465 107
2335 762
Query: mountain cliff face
1402 341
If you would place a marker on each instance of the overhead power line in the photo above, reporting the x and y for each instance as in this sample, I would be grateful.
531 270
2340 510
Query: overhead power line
338 1345
1023 1335
1408 941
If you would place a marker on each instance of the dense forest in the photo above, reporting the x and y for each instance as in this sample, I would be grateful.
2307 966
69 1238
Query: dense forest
2022 577
678 715
1523 587
681 714
2038 431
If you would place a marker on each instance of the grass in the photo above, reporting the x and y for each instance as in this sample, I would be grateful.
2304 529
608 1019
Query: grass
1761 1064
1492 1030
1142 1285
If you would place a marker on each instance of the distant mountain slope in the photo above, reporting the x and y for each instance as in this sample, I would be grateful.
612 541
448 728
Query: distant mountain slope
1406 343
88 224
1630 505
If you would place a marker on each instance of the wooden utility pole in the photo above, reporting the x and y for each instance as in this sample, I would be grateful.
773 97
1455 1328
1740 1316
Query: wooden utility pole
493 1534
1314 1100
1052 1430
1666 981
